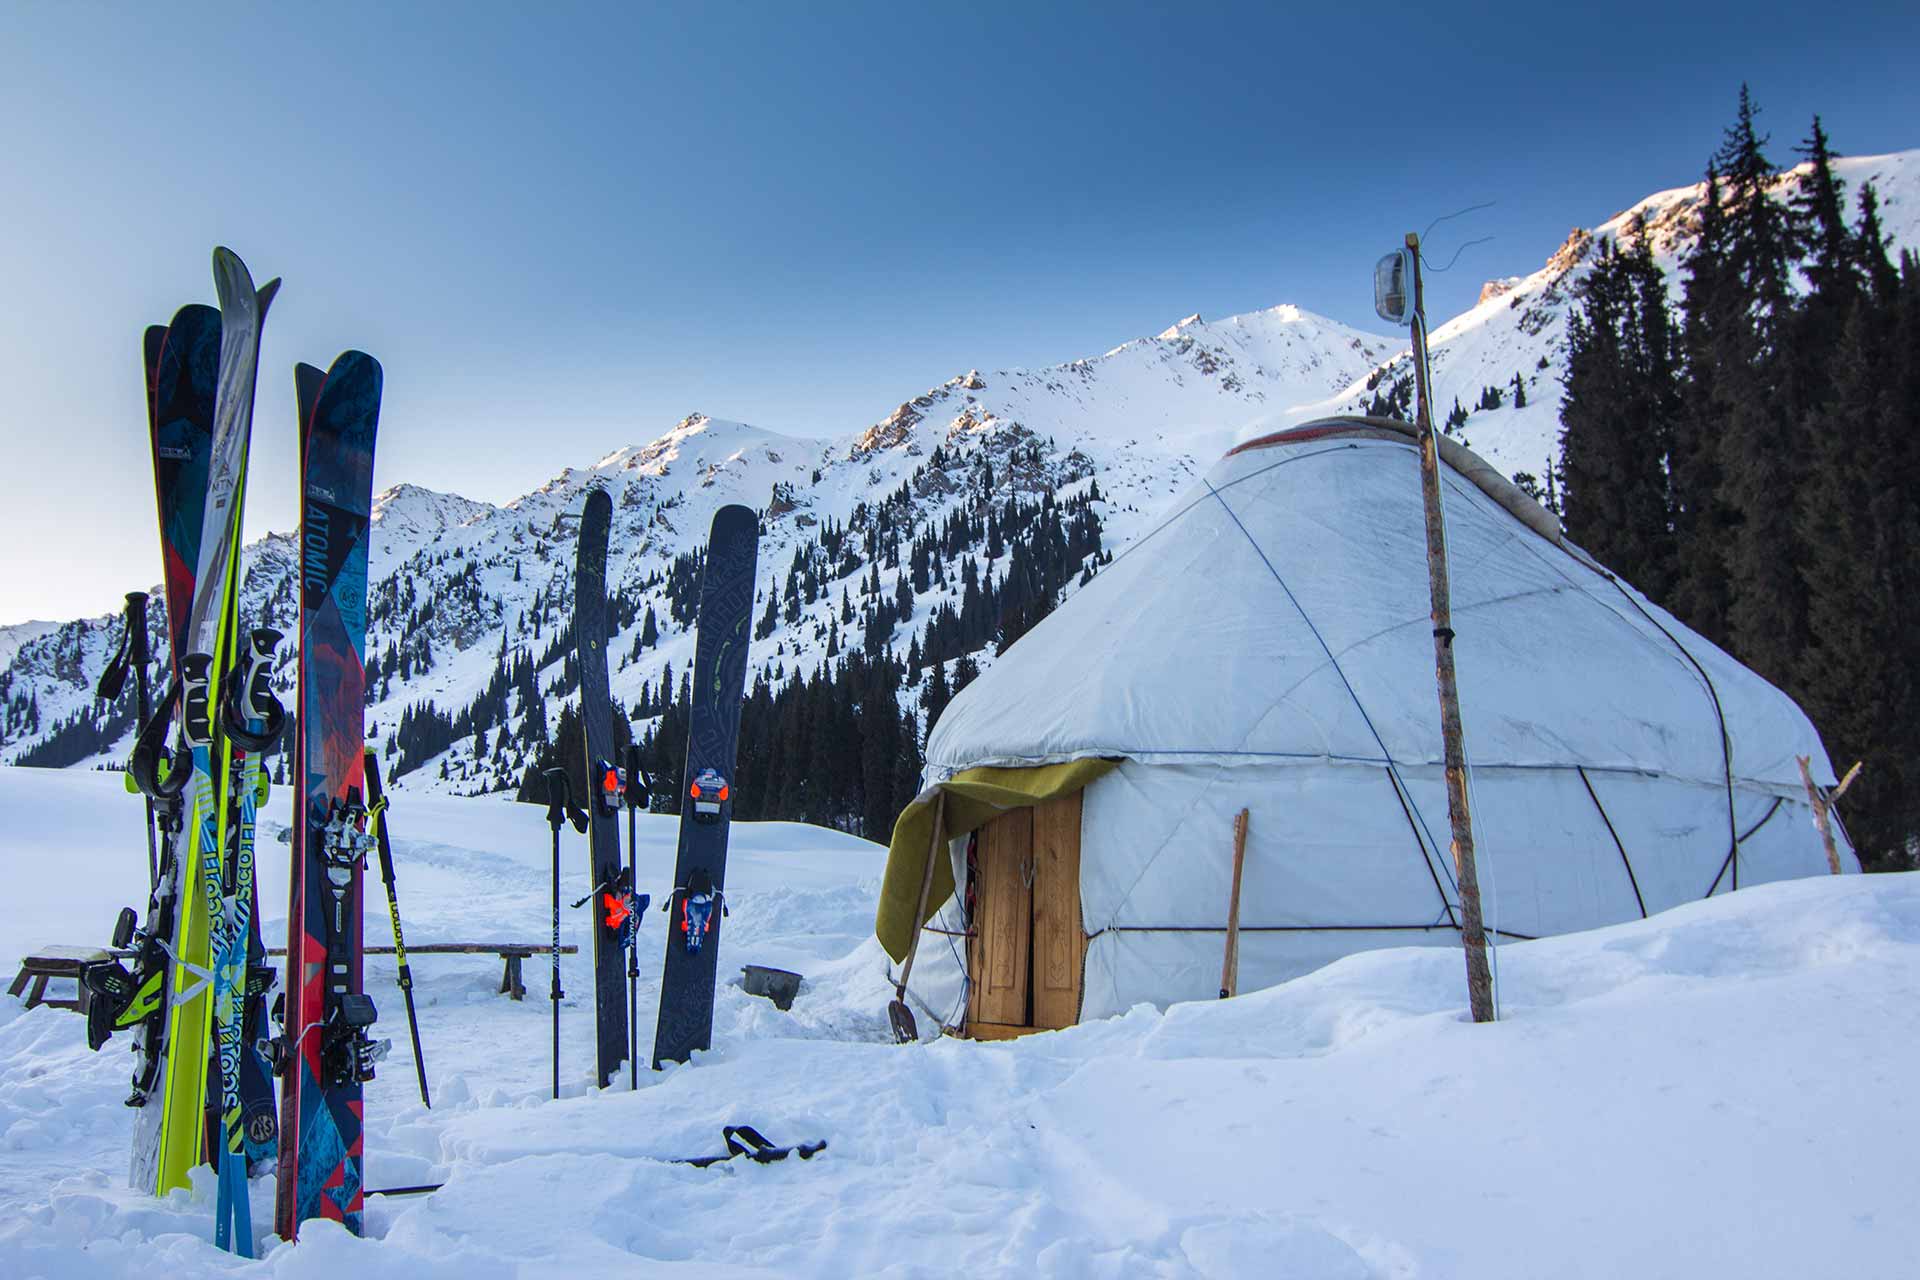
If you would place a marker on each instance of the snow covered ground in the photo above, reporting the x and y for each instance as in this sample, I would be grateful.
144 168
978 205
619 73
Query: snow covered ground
1716 1092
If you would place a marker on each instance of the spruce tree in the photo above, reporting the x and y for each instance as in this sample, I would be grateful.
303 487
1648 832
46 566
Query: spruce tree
1819 212
1700 522
1617 415
1860 526
1757 400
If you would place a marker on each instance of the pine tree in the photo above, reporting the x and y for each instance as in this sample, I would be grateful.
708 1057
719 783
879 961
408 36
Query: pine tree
1700 521
1870 247
1860 526
1618 415
1819 212
1759 404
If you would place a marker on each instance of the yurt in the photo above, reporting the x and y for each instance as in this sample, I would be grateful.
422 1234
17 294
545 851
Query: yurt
1267 647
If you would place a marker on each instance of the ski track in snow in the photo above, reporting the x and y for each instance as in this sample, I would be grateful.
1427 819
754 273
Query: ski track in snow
1711 1093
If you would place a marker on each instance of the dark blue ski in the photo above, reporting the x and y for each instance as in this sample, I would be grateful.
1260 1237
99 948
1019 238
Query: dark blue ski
697 904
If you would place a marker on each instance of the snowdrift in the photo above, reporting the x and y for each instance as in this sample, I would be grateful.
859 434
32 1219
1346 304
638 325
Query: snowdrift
1711 1092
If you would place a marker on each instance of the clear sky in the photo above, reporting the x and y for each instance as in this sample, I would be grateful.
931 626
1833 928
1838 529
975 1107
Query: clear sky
564 227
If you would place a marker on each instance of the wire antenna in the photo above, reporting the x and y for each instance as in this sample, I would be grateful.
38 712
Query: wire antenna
1456 255
1448 217
1457 213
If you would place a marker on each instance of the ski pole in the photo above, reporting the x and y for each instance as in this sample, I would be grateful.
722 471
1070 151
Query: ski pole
560 811
636 796
132 651
137 632
377 818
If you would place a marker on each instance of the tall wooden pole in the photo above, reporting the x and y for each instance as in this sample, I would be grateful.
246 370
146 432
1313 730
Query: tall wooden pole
1472 929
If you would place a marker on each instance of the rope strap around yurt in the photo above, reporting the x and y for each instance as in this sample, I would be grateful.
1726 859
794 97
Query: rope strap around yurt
973 798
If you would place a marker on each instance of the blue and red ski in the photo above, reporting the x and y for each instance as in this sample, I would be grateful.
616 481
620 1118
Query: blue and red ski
324 1049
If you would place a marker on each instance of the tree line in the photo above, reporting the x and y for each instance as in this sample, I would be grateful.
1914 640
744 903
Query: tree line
1749 457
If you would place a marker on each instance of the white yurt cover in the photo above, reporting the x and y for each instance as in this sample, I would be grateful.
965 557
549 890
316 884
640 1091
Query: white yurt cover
1268 646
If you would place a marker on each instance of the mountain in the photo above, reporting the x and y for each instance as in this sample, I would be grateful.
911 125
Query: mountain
19 633
941 529
1519 326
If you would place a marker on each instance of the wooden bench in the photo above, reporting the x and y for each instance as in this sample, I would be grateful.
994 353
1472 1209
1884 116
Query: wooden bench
512 984
49 963
59 962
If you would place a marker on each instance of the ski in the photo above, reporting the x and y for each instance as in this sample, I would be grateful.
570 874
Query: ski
195 778
324 1051
698 901
181 364
252 721
603 789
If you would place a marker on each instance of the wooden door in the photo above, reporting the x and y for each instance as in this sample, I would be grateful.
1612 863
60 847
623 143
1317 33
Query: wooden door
1059 938
1029 944
1003 931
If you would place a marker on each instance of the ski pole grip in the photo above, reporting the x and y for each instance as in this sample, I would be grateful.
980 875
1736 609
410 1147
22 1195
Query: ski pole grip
196 703
250 695
261 704
559 798
137 626
639 786
113 677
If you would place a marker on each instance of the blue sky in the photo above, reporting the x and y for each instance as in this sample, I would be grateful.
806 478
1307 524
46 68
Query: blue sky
564 227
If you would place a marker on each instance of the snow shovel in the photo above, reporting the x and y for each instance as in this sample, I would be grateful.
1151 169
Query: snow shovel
904 1029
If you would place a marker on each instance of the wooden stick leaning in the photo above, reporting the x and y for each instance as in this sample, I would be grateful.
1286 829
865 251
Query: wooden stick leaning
1823 805
904 1028
1230 969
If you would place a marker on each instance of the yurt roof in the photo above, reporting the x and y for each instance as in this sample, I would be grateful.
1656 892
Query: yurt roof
1280 612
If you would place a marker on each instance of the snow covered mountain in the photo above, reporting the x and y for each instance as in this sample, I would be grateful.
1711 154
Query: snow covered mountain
1519 327
460 587
470 603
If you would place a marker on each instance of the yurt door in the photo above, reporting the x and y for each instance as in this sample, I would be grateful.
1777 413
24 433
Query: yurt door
1029 945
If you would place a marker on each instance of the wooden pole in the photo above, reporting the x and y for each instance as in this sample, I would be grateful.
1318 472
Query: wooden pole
926 890
1823 805
1230 970
905 1031
1472 929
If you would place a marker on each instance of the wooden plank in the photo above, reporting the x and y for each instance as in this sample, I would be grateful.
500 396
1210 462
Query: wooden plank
1059 935
1003 935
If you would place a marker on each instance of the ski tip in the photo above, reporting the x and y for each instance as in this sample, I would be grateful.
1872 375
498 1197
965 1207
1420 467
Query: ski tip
734 517
264 296
354 358
193 316
228 265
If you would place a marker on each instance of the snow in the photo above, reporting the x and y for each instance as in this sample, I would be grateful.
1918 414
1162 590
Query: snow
1712 1092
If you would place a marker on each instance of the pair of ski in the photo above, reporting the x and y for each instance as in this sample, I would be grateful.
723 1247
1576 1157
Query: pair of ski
192 980
691 969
